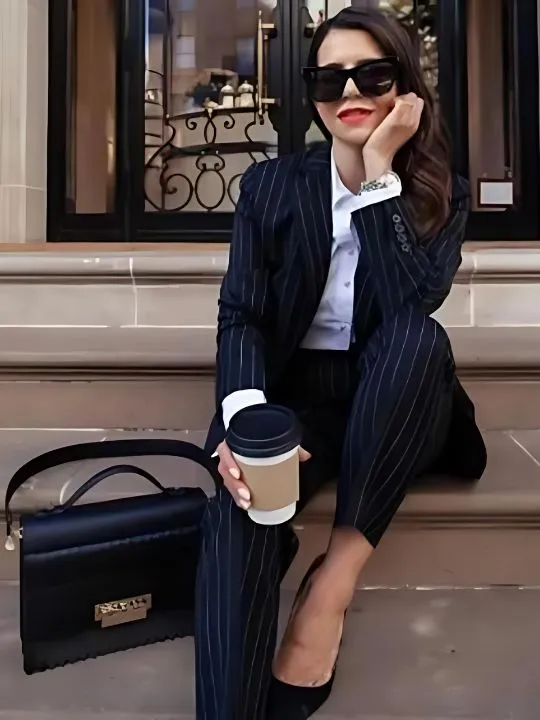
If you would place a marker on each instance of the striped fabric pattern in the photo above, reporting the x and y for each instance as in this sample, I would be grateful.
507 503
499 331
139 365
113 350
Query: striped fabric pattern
376 417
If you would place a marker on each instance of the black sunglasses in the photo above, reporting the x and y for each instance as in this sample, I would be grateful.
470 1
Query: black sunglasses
373 78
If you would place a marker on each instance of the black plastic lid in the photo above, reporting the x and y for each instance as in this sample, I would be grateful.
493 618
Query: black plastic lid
263 430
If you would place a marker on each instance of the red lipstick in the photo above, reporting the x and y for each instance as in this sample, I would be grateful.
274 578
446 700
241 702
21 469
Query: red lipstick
354 116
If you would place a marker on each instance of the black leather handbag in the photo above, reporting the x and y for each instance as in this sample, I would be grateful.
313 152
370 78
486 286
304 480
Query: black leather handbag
107 576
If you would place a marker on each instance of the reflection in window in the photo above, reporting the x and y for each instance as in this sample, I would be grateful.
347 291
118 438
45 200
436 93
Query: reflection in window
490 64
245 56
91 157
184 52
419 19
202 128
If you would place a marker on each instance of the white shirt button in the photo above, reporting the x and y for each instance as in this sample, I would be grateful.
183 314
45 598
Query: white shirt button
348 284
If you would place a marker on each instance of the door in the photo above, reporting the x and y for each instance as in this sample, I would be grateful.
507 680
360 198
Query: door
214 82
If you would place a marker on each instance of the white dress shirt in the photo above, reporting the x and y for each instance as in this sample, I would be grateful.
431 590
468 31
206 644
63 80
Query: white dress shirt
332 326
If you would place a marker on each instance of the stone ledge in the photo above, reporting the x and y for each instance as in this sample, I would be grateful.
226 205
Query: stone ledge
193 348
509 492
444 535
157 309
210 261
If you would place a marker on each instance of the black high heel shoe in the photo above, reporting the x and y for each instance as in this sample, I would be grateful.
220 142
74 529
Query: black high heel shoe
295 702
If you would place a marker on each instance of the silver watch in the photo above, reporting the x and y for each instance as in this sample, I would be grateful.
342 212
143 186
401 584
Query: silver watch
385 181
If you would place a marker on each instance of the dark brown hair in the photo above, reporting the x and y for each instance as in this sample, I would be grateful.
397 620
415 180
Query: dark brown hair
423 163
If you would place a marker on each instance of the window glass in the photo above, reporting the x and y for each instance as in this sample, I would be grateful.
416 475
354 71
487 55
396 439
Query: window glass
184 52
202 128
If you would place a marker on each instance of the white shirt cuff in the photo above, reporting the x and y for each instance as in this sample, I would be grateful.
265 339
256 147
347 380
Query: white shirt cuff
239 400
371 197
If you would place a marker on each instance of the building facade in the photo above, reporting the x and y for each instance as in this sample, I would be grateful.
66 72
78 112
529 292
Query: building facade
134 121
125 127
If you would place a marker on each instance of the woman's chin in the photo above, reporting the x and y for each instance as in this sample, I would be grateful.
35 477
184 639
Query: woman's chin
357 136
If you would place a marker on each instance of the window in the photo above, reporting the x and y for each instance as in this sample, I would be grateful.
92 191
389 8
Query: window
491 96
500 117
184 52
149 137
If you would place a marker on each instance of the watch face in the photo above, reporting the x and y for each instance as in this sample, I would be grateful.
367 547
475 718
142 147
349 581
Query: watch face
389 178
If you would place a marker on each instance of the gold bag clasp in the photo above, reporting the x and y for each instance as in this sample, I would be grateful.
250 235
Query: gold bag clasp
123 611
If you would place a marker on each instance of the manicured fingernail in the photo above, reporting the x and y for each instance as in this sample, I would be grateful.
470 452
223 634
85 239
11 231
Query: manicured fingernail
244 494
235 473
244 504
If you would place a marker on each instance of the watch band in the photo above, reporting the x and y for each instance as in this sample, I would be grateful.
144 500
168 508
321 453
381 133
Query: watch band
387 180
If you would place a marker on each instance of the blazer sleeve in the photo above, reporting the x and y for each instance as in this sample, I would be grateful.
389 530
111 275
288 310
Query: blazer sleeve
431 264
441 255
242 301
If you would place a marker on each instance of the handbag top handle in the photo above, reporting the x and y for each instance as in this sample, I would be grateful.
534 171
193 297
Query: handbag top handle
103 450
123 469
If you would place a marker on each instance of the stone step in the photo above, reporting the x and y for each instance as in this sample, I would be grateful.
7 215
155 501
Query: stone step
446 534
407 655
156 308
452 534
65 399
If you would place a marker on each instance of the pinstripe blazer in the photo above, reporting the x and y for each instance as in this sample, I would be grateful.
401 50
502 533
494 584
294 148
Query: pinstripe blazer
280 257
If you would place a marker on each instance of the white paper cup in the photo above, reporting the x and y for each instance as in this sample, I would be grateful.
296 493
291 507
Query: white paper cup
265 439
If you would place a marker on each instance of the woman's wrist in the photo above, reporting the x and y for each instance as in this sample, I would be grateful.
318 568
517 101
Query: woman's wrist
376 165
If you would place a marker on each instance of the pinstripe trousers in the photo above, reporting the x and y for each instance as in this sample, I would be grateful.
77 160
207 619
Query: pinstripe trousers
377 419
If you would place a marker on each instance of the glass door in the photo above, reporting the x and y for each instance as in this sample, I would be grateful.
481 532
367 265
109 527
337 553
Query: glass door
149 138
213 105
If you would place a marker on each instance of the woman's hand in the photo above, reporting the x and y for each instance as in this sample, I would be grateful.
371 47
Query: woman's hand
232 477
396 129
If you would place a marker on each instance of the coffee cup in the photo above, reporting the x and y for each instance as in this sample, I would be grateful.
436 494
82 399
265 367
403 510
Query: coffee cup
264 440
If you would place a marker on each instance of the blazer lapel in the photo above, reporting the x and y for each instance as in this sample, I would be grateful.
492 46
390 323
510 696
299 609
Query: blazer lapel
313 228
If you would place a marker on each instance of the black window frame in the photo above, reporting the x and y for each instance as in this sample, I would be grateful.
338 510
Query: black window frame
62 225
130 223
523 222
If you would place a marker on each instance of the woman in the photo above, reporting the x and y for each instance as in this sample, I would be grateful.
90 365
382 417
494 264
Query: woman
338 258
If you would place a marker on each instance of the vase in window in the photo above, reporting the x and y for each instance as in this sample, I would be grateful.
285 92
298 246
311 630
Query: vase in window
245 95
226 97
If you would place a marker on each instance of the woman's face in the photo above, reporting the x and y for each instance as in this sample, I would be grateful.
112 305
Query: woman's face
354 117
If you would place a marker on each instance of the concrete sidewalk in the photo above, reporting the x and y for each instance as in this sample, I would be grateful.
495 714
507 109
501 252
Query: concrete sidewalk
408 655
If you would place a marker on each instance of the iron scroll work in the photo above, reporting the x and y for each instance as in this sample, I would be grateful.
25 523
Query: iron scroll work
171 182
201 140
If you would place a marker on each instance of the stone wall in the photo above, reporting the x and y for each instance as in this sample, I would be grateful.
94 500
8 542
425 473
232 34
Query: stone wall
157 309
23 120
